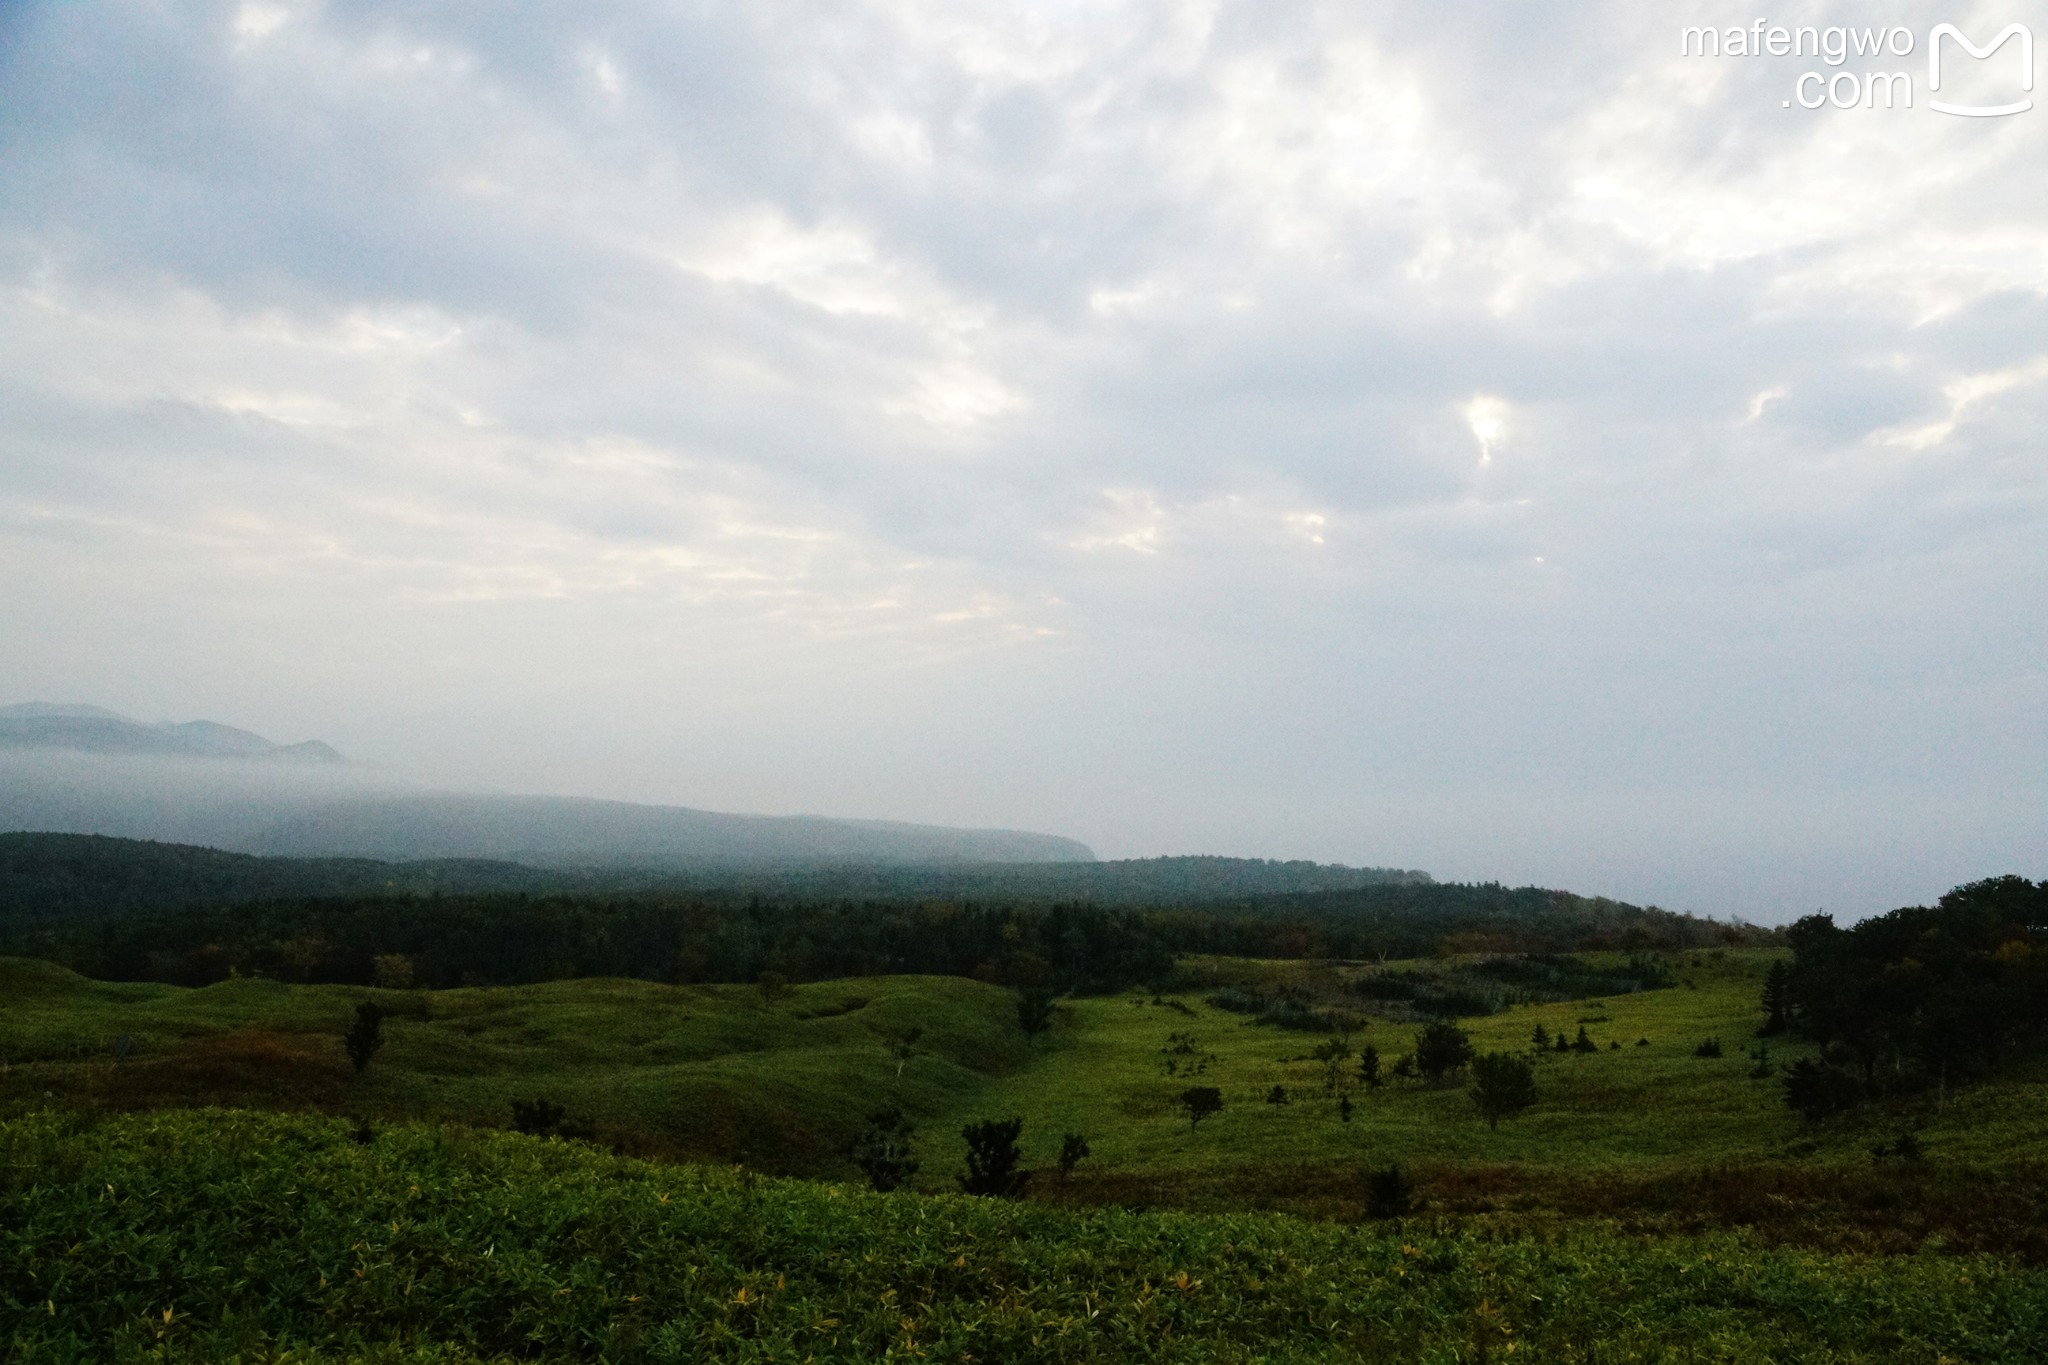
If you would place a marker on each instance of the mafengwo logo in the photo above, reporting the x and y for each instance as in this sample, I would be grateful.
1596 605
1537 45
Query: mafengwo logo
1970 71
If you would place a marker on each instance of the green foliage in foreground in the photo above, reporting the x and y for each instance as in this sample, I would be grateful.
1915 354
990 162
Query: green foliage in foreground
224 1235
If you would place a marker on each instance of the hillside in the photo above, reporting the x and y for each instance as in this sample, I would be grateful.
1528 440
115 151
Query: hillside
218 1236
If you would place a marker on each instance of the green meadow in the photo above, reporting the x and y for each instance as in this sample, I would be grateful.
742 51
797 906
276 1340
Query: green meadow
1641 1129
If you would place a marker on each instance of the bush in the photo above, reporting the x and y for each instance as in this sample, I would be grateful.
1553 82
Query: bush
1817 1091
882 1151
1073 1151
992 1157
1709 1048
1502 1086
537 1117
1441 1049
1389 1193
1200 1102
365 1035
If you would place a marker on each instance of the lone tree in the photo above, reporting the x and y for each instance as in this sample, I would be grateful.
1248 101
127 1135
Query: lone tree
1332 1053
882 1151
992 1158
1073 1151
1034 1010
365 1035
1201 1102
1502 1086
1369 1067
1441 1049
1539 1038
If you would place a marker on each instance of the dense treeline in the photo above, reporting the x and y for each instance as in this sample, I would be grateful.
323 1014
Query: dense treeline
725 937
1915 998
58 875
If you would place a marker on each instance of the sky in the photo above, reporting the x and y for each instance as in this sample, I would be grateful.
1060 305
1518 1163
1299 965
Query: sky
1474 437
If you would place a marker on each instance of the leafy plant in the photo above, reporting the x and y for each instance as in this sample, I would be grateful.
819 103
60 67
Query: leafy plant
992 1158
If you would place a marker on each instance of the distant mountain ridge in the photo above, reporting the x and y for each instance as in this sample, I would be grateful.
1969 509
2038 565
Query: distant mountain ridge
77 769
96 730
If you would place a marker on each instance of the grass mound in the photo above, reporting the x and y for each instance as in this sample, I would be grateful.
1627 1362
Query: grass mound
226 1235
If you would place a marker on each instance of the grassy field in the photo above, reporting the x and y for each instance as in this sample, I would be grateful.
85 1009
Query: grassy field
225 1236
1647 1132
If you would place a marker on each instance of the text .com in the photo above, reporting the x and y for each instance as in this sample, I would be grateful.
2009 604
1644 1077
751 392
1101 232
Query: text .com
1844 87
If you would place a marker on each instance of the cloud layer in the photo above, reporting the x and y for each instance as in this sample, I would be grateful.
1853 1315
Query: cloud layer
1450 435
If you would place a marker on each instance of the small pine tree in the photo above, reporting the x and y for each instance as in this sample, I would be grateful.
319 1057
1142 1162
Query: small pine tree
1034 1010
992 1157
1344 1108
1539 1038
1777 1000
365 1035
1710 1047
1073 1151
882 1151
1369 1067
1277 1095
1584 1043
1200 1102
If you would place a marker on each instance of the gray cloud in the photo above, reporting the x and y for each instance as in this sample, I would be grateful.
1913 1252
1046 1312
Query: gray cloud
1458 435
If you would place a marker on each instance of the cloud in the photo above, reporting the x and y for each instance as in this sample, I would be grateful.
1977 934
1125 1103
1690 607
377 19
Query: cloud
924 410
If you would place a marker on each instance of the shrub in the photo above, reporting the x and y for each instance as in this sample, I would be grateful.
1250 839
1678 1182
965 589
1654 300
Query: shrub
1816 1091
882 1151
1201 1102
1073 1151
1709 1048
1502 1086
992 1157
1389 1193
1277 1095
1441 1049
365 1035
537 1117
1584 1043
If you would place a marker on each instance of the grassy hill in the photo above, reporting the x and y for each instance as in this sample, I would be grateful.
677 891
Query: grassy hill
1648 1133
219 1236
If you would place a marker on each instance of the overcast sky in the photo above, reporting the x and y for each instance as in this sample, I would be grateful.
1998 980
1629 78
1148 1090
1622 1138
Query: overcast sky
1447 435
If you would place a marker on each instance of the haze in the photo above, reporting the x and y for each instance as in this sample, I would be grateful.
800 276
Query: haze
1456 436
